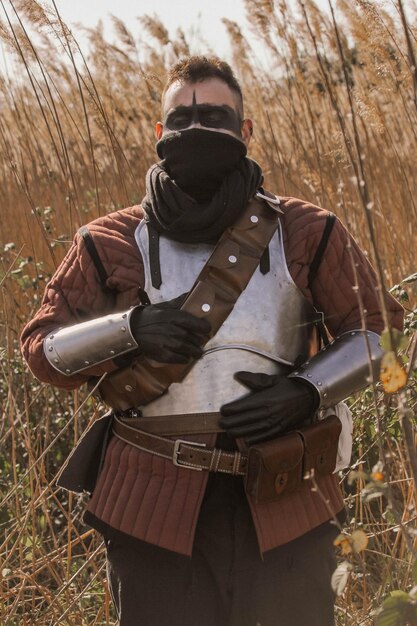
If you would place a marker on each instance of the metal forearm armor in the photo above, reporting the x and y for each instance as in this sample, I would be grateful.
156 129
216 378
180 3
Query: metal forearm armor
348 364
75 348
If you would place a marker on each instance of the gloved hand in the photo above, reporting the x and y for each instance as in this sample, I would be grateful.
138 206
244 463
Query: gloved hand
277 404
168 335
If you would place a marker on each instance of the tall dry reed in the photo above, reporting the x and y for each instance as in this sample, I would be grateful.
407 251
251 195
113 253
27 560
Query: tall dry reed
335 123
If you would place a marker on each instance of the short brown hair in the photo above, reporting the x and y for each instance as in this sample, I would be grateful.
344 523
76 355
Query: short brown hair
194 69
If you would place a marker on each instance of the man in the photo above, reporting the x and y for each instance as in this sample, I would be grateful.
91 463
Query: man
185 543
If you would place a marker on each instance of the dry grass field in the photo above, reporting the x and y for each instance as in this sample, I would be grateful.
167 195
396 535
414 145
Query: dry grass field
336 123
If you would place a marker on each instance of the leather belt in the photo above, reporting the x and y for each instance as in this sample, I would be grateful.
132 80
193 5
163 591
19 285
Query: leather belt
182 424
190 454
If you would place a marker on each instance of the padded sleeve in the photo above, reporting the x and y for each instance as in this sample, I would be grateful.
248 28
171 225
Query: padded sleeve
72 295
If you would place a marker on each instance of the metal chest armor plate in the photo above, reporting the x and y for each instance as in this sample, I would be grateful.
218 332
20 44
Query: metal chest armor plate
268 330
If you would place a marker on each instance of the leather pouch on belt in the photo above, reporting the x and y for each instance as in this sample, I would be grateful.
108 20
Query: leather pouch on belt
274 467
321 442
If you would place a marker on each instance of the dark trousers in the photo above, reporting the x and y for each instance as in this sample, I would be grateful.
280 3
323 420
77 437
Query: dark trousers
225 582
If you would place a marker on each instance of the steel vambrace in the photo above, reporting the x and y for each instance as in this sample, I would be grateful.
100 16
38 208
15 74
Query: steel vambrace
348 364
75 348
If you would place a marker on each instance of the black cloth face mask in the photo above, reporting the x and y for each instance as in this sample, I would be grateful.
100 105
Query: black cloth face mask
198 160
200 187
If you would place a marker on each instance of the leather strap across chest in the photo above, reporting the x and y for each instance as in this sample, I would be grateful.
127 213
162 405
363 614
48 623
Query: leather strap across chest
213 295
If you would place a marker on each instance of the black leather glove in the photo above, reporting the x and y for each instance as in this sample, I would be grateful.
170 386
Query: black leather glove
277 404
168 335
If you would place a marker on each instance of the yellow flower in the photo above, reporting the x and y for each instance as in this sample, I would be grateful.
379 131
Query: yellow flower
344 542
393 375
356 542
378 476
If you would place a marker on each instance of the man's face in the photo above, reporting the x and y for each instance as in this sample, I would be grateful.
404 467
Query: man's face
209 104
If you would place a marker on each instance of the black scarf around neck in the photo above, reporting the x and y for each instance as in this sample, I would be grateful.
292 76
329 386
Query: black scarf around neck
169 210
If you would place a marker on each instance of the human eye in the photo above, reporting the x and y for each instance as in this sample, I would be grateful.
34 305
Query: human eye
178 120
213 118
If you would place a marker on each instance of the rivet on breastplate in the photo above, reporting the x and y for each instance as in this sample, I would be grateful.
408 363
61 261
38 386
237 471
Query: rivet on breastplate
68 371
254 219
111 351
123 329
50 349
86 362
56 360
232 258
206 308
128 387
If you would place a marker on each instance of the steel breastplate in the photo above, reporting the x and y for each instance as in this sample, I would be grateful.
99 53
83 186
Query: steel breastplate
268 330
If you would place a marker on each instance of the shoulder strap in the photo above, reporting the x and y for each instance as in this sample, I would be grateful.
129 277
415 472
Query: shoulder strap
315 263
223 278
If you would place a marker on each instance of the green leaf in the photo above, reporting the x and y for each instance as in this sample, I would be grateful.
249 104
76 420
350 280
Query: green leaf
385 341
390 617
399 341
399 596
27 541
397 610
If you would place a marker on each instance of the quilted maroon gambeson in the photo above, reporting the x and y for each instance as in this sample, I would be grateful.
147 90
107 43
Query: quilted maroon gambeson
146 496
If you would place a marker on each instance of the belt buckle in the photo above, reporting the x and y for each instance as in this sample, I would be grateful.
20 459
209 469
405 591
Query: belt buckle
176 452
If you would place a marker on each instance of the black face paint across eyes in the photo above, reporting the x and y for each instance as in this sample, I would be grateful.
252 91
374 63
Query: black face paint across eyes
207 115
